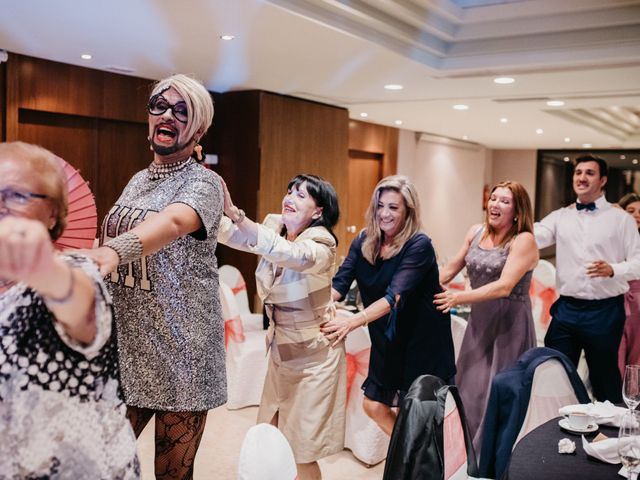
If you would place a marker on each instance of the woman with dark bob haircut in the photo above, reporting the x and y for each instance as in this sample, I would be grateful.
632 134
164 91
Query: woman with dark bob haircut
305 388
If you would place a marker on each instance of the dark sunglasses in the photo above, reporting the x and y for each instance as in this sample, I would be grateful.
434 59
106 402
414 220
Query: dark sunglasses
158 105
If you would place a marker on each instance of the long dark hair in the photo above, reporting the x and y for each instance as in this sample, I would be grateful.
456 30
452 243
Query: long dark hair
325 197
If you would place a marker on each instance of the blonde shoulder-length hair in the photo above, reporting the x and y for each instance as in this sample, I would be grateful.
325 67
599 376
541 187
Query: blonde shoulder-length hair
373 235
522 212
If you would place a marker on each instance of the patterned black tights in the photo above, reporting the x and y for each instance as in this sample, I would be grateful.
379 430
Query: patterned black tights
178 436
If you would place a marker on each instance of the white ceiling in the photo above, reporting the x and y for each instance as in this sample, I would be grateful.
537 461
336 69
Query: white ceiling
342 52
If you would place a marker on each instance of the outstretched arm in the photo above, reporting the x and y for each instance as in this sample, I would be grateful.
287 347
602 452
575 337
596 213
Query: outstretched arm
456 264
523 256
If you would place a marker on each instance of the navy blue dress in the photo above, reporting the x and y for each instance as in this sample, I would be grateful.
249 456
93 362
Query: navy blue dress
422 342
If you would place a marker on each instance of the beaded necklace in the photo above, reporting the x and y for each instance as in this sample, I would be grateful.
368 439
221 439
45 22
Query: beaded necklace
164 170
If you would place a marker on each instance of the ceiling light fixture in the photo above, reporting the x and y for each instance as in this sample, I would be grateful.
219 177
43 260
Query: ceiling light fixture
555 103
393 86
364 114
398 122
85 56
465 137
634 161
504 80
567 139
566 159
623 157
227 37
586 145
504 120
539 131
460 107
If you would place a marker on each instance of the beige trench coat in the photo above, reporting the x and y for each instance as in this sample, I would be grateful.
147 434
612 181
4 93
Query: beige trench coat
306 377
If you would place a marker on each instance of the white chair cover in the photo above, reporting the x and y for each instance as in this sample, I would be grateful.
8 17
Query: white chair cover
455 450
363 437
458 327
232 277
550 390
543 293
266 455
246 356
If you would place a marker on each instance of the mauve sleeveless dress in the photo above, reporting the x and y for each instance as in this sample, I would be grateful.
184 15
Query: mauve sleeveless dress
498 332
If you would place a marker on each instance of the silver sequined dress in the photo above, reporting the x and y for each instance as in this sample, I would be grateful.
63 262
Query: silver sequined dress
168 314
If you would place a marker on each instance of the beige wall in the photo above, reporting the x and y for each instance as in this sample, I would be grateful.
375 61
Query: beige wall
518 165
449 180
450 177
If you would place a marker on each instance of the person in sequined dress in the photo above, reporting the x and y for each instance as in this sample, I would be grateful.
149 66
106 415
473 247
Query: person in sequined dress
500 256
305 387
62 414
158 243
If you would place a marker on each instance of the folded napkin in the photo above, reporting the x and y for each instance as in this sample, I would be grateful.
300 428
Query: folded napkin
605 450
604 413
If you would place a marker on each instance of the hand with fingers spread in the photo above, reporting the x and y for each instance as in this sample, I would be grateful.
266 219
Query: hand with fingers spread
340 326
446 300
599 268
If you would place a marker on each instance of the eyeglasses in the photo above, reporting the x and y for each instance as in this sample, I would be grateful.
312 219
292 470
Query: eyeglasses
158 105
16 199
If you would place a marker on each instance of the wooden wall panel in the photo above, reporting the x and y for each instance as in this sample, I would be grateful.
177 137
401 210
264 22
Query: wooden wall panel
234 138
71 137
378 139
298 136
3 101
122 149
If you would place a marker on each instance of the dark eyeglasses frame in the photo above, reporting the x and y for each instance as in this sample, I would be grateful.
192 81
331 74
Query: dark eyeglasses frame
5 191
153 101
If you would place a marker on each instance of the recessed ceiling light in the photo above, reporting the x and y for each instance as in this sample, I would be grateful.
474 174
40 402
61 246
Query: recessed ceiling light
364 114
623 157
539 131
634 161
566 159
504 120
555 103
460 107
227 37
393 86
586 145
504 80
465 137
85 56
567 139
398 122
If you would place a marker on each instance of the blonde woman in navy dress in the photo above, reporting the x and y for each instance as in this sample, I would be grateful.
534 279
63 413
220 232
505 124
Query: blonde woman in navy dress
395 267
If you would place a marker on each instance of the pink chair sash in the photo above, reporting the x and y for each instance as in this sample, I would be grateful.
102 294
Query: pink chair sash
454 447
240 286
356 363
547 296
233 330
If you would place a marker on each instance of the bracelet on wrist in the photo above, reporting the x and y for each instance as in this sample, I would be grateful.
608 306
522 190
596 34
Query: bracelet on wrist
67 296
365 318
128 247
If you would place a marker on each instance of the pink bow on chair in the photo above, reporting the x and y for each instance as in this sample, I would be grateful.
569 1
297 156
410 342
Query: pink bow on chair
240 286
547 296
233 330
356 363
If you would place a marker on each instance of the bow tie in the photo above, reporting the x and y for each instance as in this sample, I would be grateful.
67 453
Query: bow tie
586 206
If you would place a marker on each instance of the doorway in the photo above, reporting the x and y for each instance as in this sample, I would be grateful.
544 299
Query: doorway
365 171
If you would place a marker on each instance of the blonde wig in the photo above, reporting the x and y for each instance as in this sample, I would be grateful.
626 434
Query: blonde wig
373 235
197 98
45 165
522 212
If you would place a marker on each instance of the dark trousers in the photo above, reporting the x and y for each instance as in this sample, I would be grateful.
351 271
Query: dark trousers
595 326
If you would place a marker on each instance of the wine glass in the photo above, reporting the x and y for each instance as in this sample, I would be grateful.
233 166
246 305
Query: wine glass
629 442
631 386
